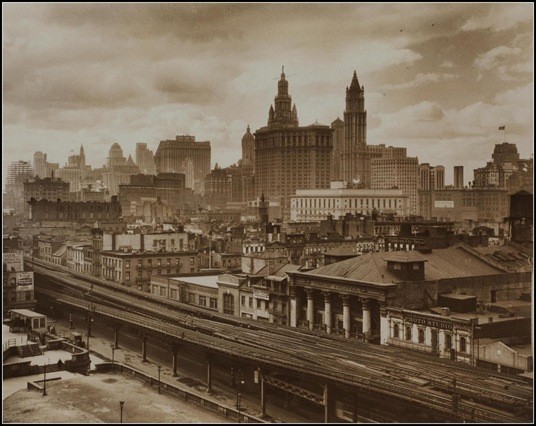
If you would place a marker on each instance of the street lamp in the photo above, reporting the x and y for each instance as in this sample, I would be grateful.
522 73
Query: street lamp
45 379
159 367
239 383
121 403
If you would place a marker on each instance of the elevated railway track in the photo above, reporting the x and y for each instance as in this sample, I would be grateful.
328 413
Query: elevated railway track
477 395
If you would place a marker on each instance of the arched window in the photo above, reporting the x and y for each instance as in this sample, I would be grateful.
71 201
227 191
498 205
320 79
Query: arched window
421 335
463 344
396 331
448 341
408 333
228 304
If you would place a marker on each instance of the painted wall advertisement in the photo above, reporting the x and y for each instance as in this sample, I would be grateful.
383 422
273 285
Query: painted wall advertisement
13 261
444 204
261 294
24 281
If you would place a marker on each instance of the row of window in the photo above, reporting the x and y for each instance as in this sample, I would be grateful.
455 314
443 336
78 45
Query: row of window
421 337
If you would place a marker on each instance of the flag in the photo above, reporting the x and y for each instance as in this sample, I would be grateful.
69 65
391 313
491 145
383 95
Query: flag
502 127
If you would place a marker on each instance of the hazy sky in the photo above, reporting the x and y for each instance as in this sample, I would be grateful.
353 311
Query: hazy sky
439 78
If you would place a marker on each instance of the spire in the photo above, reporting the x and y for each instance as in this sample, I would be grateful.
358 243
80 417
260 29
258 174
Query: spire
355 82
81 149
248 131
283 72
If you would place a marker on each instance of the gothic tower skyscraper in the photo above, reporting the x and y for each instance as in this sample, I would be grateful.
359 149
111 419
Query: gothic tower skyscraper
284 114
354 152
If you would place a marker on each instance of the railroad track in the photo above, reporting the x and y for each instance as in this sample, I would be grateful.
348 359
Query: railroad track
379 369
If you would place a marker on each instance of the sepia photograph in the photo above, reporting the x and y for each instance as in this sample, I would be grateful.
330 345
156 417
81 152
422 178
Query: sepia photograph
267 212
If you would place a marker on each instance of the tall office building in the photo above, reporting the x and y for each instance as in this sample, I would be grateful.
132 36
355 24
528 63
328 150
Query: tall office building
289 157
354 156
431 177
458 177
17 173
40 164
145 159
171 154
338 146
399 173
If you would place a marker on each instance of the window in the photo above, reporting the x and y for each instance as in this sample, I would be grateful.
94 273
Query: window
448 341
250 299
127 276
191 298
258 303
228 304
421 335
173 293
202 301
408 333
243 301
168 262
127 263
150 261
191 260
463 344
415 266
159 262
396 331
213 303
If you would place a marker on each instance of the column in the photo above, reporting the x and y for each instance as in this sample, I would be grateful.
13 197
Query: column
209 375
293 308
116 337
144 348
310 308
175 350
346 320
326 403
263 396
366 318
327 311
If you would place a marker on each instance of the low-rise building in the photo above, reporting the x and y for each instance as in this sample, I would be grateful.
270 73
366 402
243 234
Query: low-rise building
198 290
134 268
317 204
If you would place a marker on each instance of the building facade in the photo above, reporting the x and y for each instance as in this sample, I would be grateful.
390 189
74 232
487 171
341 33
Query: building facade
65 211
400 173
45 189
288 157
135 268
171 154
317 204
145 159
431 177
40 164
459 205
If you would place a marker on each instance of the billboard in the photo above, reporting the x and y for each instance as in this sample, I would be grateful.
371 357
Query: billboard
260 294
24 281
444 204
13 261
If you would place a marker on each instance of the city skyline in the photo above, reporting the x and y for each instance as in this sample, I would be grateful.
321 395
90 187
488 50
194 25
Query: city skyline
439 82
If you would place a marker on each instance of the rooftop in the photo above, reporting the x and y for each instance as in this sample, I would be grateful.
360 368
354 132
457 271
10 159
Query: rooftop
205 280
453 262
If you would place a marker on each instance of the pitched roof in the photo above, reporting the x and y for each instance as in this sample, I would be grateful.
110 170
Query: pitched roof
451 262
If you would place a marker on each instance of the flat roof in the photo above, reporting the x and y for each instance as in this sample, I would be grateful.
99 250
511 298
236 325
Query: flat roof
26 313
204 280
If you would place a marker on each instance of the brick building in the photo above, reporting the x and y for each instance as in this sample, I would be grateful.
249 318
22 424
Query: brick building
45 210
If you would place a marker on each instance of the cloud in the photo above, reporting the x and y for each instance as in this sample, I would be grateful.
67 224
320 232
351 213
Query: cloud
500 17
447 64
419 80
502 60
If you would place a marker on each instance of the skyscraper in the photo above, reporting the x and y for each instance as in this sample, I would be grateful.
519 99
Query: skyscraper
458 177
145 159
170 155
431 177
338 147
17 173
288 157
40 164
354 156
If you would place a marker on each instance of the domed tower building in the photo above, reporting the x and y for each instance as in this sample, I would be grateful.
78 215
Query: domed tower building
248 148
